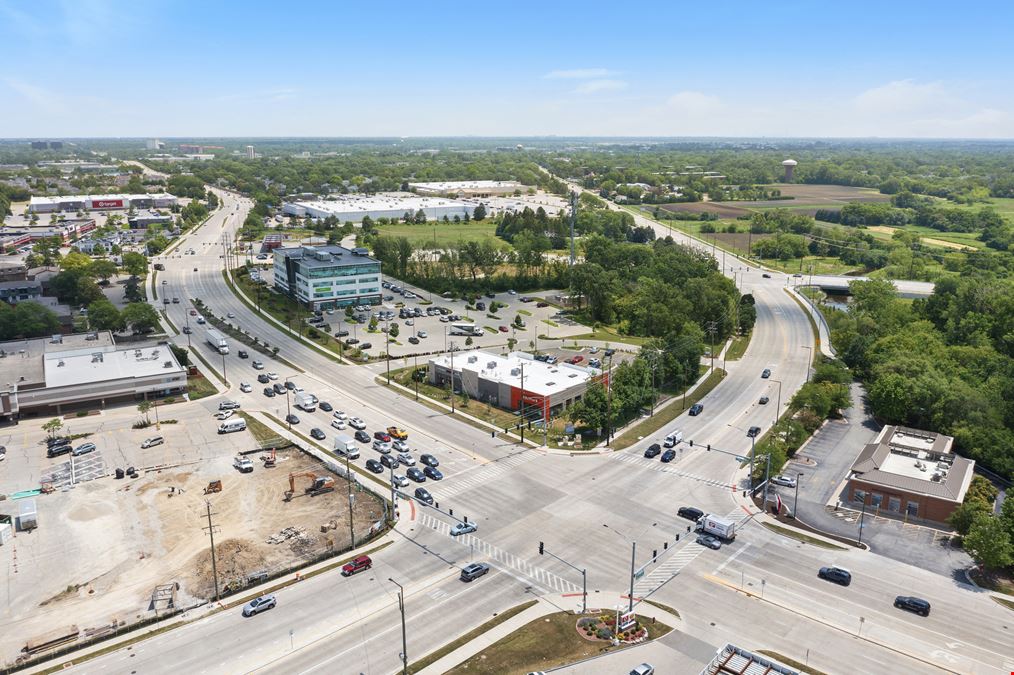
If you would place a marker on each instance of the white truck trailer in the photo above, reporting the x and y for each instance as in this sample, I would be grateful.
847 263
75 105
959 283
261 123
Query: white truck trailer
723 528
306 402
217 340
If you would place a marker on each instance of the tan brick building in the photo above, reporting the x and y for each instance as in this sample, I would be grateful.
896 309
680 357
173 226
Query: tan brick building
911 474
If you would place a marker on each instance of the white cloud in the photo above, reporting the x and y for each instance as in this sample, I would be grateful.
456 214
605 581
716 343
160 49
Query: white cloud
43 99
595 86
577 74
903 96
694 104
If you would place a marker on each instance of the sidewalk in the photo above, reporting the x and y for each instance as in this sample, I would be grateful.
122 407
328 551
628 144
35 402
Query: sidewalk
542 608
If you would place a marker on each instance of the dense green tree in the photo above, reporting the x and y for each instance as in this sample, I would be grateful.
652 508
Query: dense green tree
27 319
140 317
103 315
135 264
989 543
102 269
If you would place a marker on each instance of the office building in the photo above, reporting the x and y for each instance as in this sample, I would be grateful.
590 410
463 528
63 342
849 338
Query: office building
467 188
514 382
910 474
327 277
48 376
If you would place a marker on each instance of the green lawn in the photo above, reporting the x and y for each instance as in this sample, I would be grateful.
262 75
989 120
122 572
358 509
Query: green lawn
198 387
609 335
440 234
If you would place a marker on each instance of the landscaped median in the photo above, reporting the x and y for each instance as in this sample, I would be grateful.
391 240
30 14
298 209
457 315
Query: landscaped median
666 414
558 639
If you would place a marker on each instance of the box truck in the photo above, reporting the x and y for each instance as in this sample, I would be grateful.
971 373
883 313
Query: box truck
27 515
466 329
722 528
218 341
306 402
346 446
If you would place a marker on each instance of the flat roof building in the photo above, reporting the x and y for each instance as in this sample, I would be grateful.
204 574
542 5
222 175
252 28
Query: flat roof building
513 382
326 277
100 202
53 374
467 188
910 474
353 208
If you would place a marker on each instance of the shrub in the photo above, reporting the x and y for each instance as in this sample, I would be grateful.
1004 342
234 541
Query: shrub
603 634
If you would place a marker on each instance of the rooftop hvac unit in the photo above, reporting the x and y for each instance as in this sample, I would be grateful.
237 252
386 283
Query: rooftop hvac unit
59 364
56 339
515 372
167 364
491 365
154 353
92 336
936 478
137 353
97 357
473 358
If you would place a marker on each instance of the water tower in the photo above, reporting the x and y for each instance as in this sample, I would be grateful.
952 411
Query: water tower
790 165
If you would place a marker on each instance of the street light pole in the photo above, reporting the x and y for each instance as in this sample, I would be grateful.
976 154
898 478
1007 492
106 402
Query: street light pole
288 407
387 349
633 554
348 481
809 361
778 407
795 501
753 442
404 641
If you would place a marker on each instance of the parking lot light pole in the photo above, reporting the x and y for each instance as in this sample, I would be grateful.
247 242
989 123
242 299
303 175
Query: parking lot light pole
795 501
404 641
809 362
633 555
778 407
288 408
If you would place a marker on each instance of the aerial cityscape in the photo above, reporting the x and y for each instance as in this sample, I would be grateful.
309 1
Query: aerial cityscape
442 338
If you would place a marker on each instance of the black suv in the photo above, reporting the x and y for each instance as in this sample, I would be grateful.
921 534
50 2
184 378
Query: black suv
242 354
753 431
263 379
917 605
653 450
690 513
56 450
362 436
836 574
696 409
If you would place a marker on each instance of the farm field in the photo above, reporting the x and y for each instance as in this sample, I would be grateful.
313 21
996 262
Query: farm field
952 240
440 234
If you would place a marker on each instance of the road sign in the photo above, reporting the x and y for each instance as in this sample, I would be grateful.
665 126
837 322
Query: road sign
626 620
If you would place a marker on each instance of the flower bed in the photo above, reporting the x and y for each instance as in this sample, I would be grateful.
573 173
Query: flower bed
603 628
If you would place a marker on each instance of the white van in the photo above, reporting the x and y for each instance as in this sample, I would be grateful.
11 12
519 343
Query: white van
673 439
152 442
231 426
345 446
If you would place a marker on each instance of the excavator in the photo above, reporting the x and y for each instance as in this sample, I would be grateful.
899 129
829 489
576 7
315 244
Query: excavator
318 486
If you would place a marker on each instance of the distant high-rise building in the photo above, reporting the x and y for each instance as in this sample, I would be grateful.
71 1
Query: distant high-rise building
250 151
56 145
39 145
790 166
154 144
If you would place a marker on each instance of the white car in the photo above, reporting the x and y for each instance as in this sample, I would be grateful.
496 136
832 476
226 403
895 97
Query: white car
357 423
257 365
786 481
231 315
382 447
340 415
339 424
406 458
245 387
200 319
399 481
399 445
463 528
224 414
421 334
272 376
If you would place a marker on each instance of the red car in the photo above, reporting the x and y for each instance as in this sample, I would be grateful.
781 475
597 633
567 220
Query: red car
504 329
381 436
575 360
359 564
193 312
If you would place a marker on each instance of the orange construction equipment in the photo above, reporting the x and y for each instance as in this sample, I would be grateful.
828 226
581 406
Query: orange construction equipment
269 460
396 432
213 486
318 486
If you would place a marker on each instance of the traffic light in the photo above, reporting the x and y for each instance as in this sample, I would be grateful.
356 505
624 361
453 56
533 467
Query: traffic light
492 434
677 536
691 442
542 548
709 447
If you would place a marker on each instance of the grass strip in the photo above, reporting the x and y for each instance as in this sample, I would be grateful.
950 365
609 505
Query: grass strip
738 347
525 312
551 323
206 364
261 432
608 335
805 538
1009 604
667 414
667 608
200 387
801 667
435 656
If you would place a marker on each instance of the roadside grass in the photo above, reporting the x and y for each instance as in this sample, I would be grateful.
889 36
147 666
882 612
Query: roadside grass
805 538
550 322
525 312
1009 604
435 656
801 667
205 363
998 582
820 264
542 645
667 414
262 433
738 347
199 387
667 608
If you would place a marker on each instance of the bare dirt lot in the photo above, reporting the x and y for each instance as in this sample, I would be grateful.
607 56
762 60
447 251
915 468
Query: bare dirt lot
103 546
838 193
722 210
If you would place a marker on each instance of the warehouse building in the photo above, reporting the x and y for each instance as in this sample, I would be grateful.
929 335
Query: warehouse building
327 277
84 370
353 208
100 202
910 474
467 188
513 382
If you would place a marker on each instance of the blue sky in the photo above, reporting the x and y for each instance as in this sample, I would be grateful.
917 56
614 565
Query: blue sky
738 68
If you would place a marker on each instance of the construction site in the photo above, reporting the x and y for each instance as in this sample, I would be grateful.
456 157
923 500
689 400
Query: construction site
109 552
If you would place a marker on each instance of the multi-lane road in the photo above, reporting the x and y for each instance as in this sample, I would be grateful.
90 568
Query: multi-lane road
586 509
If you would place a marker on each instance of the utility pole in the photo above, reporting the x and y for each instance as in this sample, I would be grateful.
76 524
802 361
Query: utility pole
211 534
522 403
633 554
404 641
387 349
753 440
573 218
224 376
712 328
767 482
452 377
609 402
348 480
415 376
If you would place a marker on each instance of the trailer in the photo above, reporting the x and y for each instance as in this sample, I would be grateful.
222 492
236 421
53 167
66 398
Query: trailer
28 515
466 329
723 528
51 640
218 340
